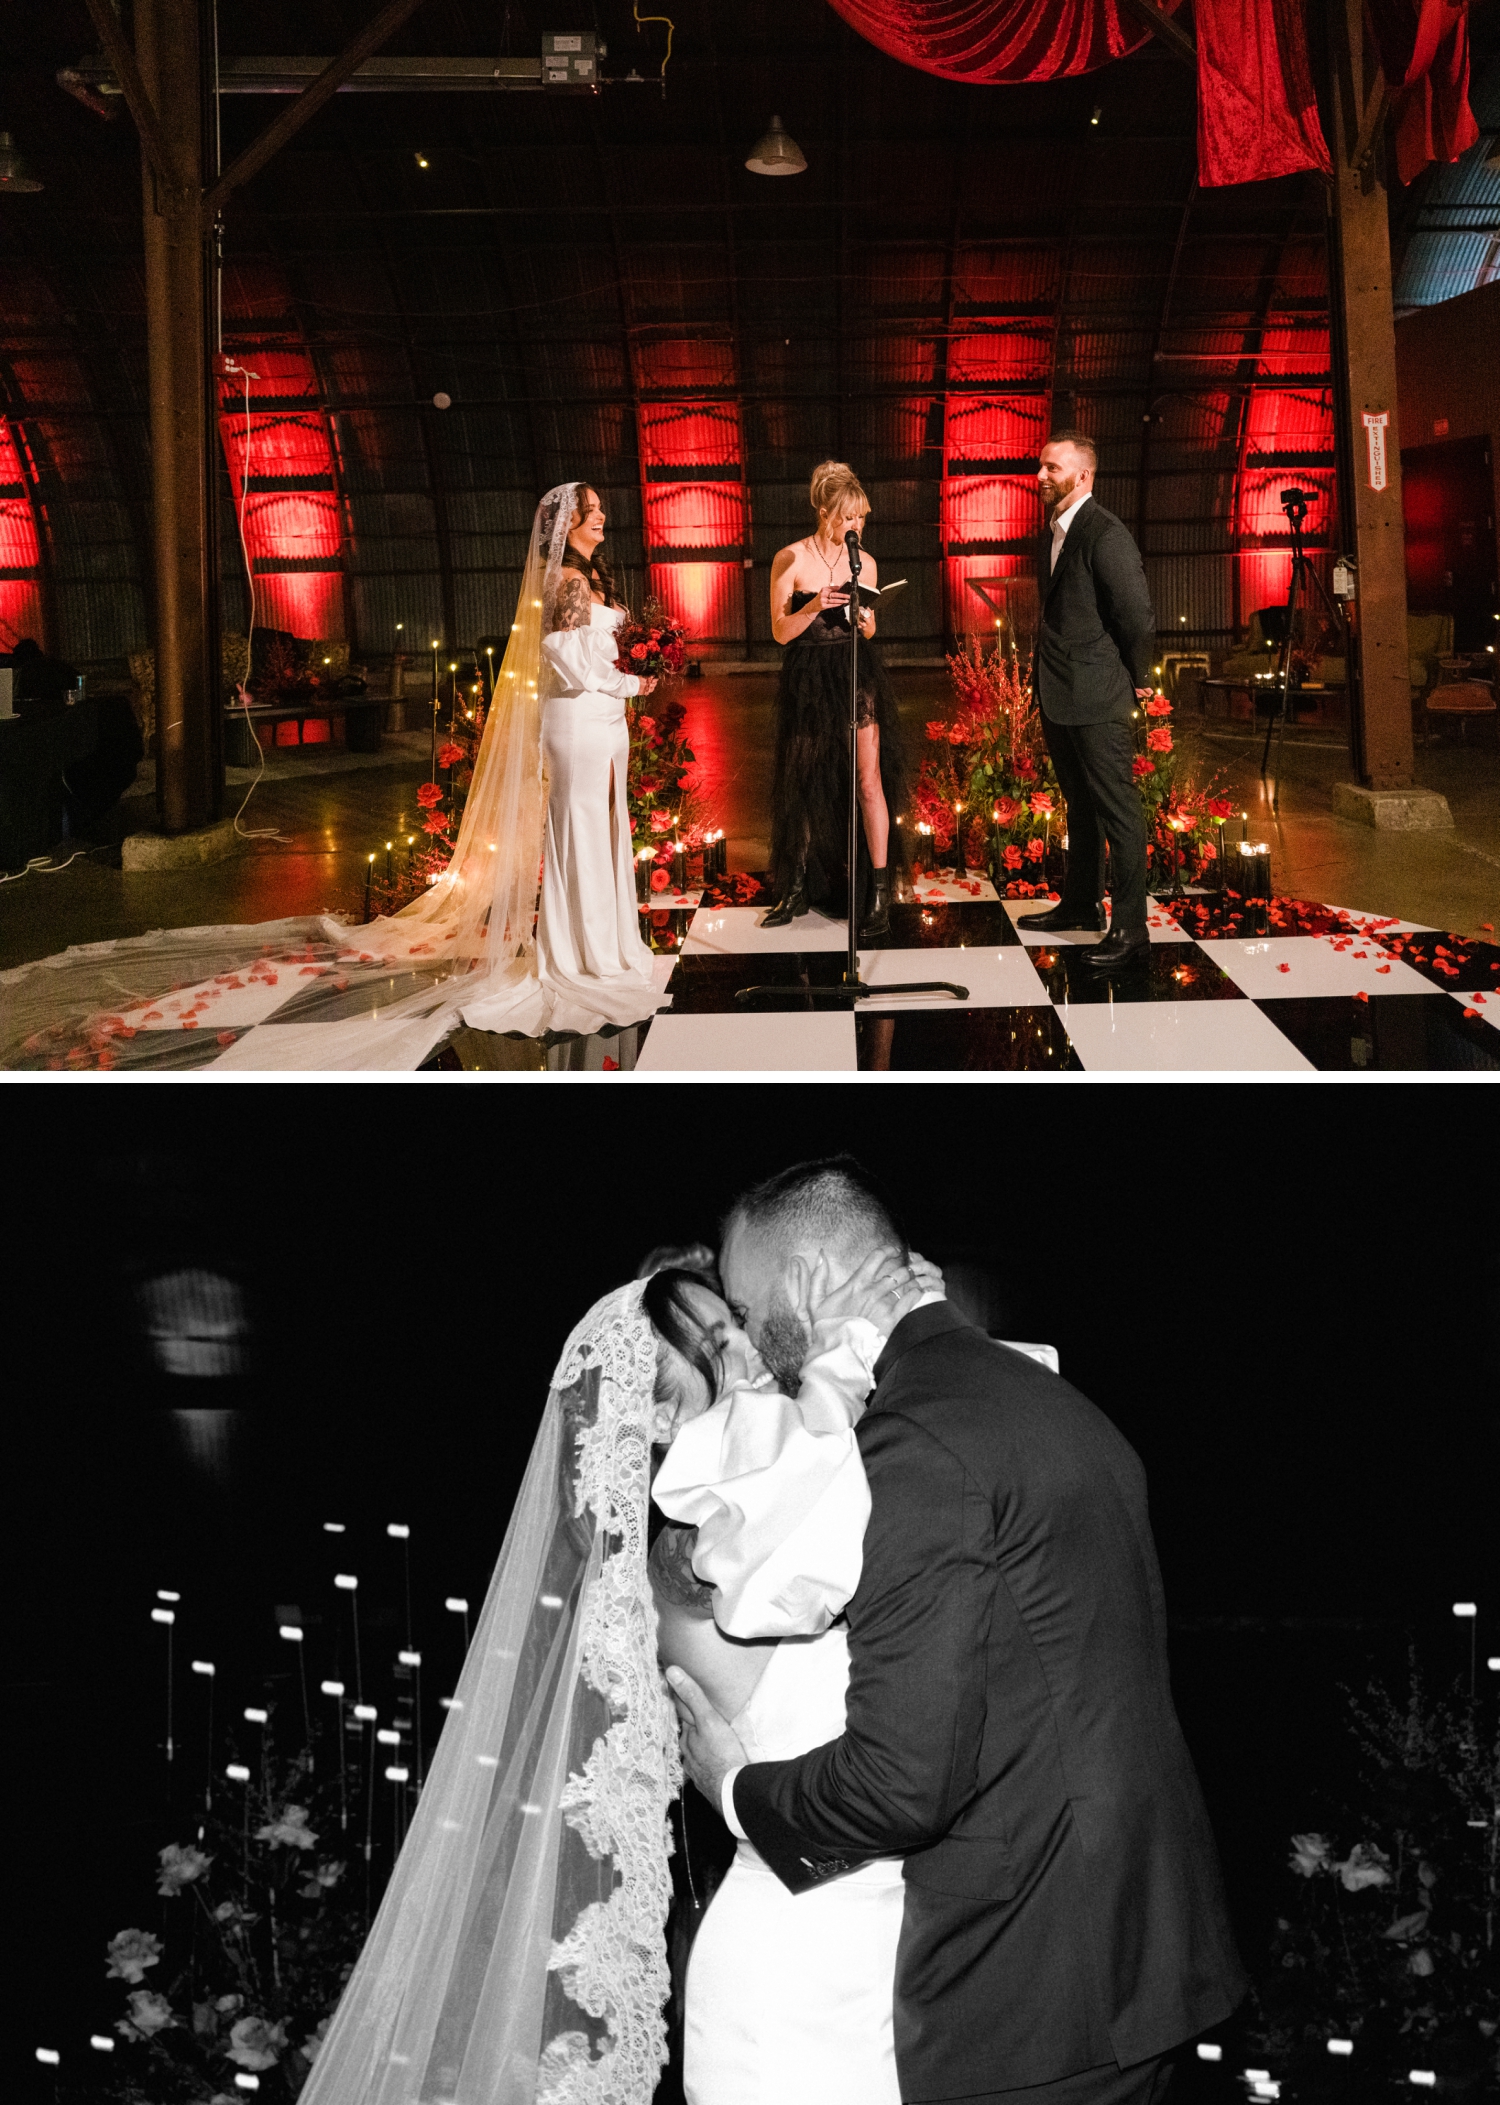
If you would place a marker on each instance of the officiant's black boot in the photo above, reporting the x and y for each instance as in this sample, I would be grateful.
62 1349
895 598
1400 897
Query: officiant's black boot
793 903
877 921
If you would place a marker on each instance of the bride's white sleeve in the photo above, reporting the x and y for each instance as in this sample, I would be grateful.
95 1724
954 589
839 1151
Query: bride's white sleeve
776 1489
584 660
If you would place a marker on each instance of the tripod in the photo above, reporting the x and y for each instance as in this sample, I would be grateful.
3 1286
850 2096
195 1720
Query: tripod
1295 504
851 988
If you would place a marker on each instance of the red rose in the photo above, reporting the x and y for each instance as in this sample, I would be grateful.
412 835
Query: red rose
436 825
1036 848
647 724
428 795
638 651
1219 807
1012 857
1159 740
1141 766
660 878
958 736
1159 706
1041 805
1006 810
649 787
1026 768
450 755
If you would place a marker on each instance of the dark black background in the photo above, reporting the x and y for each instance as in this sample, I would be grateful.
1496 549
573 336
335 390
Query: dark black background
1287 1300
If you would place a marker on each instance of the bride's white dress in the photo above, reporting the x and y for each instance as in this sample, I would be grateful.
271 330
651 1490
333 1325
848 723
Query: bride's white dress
790 1996
592 968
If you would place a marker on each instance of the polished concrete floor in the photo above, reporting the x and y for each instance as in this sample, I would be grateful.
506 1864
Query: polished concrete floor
329 810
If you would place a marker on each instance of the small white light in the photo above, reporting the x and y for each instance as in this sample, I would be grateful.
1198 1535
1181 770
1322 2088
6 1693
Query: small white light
551 1600
452 1827
237 1772
1266 2088
1426 2077
1257 2075
387 1738
291 1632
257 1717
367 1711
333 1527
50 2055
102 2041
409 1658
331 1688
1341 2046
450 1703
397 1775
203 1666
1494 1664
1207 2051
345 1580
488 1761
162 1615
399 1530
247 2082
531 1809
162 1595
1465 1608
456 1604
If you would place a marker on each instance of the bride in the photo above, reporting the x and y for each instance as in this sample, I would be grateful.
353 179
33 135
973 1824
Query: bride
518 1956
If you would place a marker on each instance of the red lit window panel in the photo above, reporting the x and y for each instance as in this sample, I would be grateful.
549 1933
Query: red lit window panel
286 490
1298 423
695 515
20 557
708 598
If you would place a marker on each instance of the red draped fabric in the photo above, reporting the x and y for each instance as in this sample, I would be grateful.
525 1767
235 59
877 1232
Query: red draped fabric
1424 55
997 40
1257 113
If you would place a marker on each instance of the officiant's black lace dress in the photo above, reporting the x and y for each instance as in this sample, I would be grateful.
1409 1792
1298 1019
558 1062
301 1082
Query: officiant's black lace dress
810 790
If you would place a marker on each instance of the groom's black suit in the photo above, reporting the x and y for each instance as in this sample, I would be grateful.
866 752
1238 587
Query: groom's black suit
1010 1732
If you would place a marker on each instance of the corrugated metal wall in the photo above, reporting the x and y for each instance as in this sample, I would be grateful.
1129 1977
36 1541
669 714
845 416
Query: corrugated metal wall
601 290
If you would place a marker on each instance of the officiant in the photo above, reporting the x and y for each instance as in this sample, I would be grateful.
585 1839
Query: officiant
812 618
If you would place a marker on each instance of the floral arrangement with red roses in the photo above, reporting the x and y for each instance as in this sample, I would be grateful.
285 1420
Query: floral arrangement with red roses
1184 819
990 758
660 785
653 648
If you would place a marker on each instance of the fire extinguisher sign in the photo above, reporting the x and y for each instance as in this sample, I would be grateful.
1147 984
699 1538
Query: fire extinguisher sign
1377 422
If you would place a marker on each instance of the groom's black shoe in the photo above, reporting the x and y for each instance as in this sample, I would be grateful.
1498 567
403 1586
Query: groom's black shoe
1121 949
1085 919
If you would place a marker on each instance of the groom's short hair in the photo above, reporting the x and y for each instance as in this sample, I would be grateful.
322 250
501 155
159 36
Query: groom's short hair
831 1204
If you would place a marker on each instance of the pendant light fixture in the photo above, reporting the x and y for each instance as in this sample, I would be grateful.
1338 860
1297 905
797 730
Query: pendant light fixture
776 152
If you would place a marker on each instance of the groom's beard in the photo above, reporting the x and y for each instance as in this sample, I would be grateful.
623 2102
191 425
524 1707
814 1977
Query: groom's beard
783 1344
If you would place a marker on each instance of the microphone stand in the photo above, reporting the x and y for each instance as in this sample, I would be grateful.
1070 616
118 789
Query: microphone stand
851 988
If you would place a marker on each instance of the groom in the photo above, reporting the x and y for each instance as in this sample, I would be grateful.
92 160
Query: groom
1010 1730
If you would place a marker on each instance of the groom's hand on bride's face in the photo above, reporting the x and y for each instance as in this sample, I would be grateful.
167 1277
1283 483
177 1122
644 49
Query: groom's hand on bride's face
710 1745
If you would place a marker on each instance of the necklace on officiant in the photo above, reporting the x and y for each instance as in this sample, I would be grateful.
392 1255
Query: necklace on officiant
829 567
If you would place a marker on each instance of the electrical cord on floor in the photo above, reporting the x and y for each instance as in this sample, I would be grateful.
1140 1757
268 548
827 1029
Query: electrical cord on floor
44 866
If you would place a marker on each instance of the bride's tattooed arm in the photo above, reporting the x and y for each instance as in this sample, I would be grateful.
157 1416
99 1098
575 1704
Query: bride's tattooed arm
673 1579
572 607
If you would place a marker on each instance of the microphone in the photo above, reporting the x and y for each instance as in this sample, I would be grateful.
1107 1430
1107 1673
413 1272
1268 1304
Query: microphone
851 542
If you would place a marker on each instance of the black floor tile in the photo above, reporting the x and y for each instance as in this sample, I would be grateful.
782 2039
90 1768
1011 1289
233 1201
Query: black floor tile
1390 1033
706 986
964 1041
1447 960
1169 972
980 923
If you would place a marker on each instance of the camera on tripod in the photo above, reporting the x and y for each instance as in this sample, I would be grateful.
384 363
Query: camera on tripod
1295 504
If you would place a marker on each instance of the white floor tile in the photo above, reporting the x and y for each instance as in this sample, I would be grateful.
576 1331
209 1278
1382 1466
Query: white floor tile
1159 926
930 891
1272 967
751 1043
996 979
229 1002
1178 1037
734 930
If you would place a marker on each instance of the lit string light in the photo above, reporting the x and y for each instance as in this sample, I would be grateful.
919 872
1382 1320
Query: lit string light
167 1617
346 1582
205 1667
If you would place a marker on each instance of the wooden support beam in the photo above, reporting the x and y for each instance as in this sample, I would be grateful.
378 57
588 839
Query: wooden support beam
1171 32
139 103
307 104
1375 108
1364 369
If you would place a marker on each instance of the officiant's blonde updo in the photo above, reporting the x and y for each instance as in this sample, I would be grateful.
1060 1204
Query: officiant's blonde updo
834 488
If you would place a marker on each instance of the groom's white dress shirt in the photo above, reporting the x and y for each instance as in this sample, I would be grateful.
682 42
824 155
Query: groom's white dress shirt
1063 521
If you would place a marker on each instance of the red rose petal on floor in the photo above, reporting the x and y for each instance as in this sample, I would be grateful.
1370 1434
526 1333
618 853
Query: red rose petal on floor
1382 968
1471 1012
611 1066
1480 999
1283 968
190 1023
225 1037
1361 995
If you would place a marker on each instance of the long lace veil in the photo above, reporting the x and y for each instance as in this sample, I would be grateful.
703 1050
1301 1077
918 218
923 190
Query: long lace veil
519 1957
478 916
483 906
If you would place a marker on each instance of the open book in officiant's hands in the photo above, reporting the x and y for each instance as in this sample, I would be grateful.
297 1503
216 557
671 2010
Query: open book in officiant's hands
873 595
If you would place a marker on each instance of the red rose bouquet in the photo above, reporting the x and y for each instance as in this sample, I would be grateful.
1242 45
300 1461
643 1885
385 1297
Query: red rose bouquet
653 648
